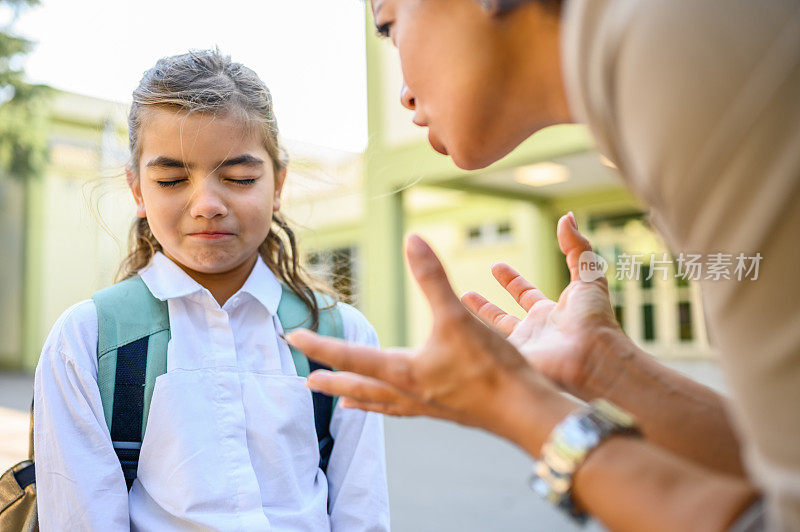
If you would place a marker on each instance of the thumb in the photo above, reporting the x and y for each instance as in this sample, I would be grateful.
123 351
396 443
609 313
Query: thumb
572 243
430 275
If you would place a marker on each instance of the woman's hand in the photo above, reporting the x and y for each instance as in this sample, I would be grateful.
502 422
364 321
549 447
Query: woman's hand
559 339
465 371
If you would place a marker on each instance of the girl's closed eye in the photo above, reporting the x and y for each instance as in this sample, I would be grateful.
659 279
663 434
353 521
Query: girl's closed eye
170 182
243 181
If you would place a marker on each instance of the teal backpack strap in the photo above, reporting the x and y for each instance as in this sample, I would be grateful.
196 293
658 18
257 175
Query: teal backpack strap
293 314
133 332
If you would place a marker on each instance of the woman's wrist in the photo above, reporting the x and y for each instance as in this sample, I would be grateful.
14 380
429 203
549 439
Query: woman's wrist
531 408
612 355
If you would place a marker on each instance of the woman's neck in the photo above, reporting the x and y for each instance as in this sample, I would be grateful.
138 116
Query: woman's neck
222 285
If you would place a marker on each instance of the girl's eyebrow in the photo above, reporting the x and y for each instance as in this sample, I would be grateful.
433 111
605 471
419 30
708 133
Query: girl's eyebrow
163 161
246 159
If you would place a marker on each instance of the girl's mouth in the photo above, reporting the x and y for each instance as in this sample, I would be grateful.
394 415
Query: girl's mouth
211 236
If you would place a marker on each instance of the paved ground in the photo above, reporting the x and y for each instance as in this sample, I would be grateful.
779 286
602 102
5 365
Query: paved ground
442 477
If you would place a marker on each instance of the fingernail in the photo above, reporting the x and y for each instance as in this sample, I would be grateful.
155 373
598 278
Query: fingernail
415 244
572 220
297 334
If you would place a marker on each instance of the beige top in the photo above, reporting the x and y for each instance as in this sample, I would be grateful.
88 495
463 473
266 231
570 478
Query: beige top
698 104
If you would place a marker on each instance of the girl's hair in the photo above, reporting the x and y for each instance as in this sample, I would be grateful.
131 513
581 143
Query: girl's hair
208 82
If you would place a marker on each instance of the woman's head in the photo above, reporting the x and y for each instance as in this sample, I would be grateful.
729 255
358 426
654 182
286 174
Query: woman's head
482 75
207 169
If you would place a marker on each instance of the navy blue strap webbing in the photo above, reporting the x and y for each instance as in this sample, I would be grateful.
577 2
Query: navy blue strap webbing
128 409
25 476
323 412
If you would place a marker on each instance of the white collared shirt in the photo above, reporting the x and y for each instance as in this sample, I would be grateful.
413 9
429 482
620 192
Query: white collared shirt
230 441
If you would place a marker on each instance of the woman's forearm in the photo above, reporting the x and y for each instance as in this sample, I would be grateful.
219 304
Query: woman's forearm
630 484
673 411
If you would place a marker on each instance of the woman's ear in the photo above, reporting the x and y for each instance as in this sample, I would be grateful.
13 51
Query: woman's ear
136 189
280 179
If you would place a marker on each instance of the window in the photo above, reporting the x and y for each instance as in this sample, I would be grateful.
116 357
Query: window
490 233
337 267
652 301
685 333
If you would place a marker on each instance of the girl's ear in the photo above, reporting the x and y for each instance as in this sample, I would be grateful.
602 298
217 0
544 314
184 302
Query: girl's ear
280 179
136 189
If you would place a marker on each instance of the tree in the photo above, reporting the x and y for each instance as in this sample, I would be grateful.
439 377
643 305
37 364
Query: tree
23 143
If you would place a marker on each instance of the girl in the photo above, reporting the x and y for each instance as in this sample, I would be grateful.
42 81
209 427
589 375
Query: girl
230 441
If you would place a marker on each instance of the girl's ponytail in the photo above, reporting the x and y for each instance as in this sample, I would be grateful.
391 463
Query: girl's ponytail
142 245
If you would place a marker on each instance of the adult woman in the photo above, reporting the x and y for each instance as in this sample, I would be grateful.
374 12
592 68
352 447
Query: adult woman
691 100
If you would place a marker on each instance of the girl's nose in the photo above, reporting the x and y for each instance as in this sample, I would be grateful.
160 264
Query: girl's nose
407 98
206 202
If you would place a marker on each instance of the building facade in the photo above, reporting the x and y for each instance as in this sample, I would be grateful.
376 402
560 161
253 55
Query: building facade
67 230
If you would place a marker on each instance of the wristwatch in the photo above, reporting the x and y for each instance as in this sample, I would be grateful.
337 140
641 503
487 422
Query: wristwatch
570 443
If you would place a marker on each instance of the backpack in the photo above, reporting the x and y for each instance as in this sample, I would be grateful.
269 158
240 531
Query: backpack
133 332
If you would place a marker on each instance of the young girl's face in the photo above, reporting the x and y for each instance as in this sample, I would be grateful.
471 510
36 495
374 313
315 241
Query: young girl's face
207 188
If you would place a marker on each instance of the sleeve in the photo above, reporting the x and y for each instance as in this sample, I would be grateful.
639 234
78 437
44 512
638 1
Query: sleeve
357 489
79 482
698 106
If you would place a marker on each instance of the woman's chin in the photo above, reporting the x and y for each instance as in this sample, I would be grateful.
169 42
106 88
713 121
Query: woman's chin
470 159
436 144
465 163
478 155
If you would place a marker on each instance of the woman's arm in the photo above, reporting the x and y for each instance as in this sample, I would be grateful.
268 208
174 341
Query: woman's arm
674 411
578 344
467 373
356 473
628 483
79 482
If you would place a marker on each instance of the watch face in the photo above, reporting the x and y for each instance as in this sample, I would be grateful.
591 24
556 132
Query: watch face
568 445
576 435
614 415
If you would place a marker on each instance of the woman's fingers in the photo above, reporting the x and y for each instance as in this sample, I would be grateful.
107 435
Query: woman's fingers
389 409
353 386
404 408
490 313
515 284
393 367
429 274
572 243
357 391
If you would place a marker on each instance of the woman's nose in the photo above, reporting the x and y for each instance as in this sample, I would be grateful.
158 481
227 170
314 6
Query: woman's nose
206 202
407 98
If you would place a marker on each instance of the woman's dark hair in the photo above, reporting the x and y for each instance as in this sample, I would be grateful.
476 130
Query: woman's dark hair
504 6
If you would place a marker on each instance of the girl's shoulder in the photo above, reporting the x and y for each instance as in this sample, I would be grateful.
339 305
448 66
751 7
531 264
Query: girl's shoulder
73 337
357 329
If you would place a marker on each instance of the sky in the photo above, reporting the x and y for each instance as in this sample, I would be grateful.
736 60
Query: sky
310 53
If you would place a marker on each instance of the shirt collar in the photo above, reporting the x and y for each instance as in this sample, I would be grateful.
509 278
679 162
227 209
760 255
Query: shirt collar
166 280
